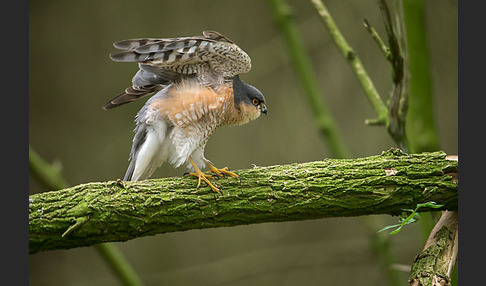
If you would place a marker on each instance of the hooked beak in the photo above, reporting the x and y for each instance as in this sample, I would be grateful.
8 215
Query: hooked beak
263 108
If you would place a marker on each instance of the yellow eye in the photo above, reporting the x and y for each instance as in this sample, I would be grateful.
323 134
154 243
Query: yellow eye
256 101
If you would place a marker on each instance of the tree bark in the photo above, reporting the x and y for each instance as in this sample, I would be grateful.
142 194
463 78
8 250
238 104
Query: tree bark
98 212
435 264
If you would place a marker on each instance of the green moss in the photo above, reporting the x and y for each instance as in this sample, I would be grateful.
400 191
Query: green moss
352 187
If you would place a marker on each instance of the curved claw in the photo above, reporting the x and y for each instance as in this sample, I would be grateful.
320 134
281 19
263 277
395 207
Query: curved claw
217 174
201 176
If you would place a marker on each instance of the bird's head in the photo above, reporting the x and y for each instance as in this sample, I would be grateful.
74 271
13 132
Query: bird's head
248 99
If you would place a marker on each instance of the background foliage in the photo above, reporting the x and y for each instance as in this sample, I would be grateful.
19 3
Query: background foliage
71 76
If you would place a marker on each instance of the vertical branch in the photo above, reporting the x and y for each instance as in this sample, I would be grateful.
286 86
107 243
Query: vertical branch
50 176
435 264
394 117
398 104
380 244
411 25
397 53
348 53
303 69
421 123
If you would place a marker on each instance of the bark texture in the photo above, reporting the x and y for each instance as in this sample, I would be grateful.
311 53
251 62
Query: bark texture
435 264
98 212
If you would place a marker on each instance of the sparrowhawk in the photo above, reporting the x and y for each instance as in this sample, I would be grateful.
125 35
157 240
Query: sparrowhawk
197 89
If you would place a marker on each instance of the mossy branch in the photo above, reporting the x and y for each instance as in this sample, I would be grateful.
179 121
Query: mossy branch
50 176
98 212
435 264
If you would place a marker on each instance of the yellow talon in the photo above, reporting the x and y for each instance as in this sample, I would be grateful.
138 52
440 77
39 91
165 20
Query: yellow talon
201 176
205 177
221 172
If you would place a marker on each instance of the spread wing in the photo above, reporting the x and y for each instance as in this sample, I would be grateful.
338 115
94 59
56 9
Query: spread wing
211 58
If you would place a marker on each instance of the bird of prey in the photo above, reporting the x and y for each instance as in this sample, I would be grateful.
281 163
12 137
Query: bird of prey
197 89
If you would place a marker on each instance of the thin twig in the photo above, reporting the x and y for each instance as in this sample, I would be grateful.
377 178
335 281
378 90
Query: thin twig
350 55
394 46
398 104
375 36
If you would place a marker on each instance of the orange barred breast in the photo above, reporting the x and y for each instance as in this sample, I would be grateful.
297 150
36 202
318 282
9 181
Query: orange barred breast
190 103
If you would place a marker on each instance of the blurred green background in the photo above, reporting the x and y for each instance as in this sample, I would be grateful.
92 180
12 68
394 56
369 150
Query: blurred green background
71 77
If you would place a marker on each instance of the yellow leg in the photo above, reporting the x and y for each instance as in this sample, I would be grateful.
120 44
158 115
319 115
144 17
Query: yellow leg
221 172
201 176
